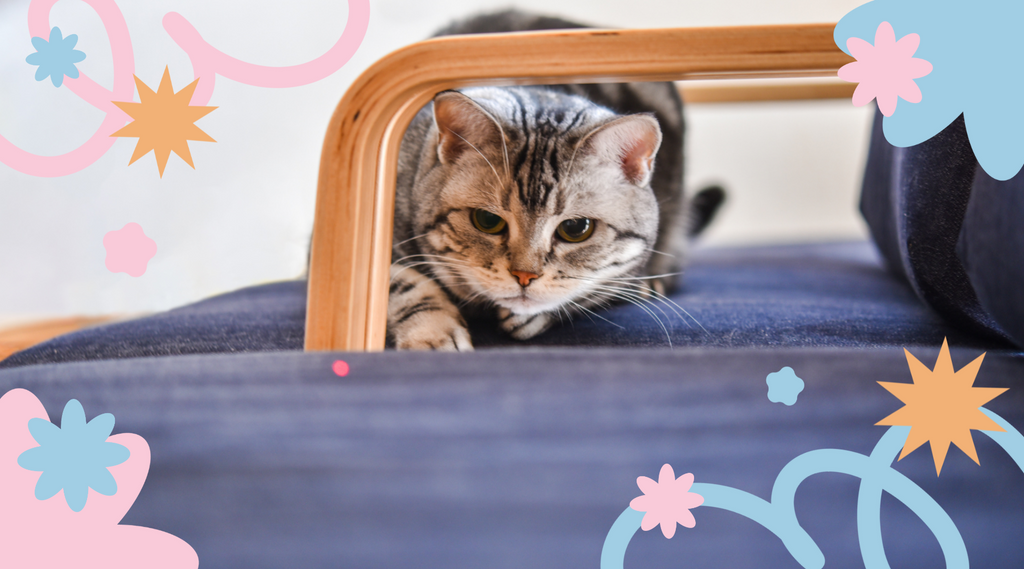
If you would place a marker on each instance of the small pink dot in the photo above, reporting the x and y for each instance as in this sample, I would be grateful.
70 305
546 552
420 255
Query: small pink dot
340 368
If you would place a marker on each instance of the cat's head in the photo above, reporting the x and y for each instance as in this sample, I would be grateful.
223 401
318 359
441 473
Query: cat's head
538 199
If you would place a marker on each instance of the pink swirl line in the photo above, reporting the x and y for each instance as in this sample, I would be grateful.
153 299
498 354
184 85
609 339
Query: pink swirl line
208 61
97 96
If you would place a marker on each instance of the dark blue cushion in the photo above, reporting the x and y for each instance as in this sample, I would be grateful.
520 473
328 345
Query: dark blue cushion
914 201
808 295
991 248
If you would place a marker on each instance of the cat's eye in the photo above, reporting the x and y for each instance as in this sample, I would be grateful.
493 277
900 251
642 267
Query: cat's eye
487 222
576 230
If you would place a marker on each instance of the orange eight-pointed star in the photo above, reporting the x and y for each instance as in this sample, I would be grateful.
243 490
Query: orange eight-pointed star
942 406
164 121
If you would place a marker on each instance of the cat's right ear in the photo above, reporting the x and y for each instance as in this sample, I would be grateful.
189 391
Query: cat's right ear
462 126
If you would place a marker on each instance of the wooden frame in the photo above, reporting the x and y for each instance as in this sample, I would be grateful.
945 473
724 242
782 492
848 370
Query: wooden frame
18 337
351 248
744 93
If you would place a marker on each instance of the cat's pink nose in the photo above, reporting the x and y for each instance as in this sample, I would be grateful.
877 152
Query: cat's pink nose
524 277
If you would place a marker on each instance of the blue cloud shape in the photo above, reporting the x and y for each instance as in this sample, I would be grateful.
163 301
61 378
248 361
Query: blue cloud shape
784 386
73 457
56 58
974 48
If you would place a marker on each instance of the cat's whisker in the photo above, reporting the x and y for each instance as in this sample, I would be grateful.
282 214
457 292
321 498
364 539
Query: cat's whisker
640 305
664 298
638 296
637 292
493 169
628 278
674 306
504 155
660 253
421 264
476 294
443 257
660 296
420 236
579 307
588 312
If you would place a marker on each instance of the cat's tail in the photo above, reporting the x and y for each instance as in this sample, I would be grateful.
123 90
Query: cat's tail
703 207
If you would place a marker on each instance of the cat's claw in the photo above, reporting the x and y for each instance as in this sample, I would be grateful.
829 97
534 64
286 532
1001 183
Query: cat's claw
524 326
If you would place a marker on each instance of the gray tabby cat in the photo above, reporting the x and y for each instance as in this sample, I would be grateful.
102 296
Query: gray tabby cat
536 201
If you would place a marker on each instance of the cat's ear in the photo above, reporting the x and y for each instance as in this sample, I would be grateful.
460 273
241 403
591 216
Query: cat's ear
631 142
462 124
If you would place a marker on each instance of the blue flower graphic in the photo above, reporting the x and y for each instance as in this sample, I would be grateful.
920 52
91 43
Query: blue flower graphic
56 58
73 457
975 51
784 386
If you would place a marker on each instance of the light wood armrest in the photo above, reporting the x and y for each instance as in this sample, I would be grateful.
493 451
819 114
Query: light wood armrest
16 338
351 248
746 93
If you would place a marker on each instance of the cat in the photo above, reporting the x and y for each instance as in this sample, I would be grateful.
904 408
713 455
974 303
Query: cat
534 201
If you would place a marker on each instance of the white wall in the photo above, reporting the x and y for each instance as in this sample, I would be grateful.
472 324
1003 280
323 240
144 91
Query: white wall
244 215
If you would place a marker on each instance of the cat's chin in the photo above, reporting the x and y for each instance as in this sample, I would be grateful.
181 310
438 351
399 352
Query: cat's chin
526 306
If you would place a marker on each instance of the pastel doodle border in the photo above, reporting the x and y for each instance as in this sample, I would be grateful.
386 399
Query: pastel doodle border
207 63
876 474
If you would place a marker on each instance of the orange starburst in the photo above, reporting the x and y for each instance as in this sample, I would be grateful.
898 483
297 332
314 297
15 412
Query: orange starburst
941 406
164 121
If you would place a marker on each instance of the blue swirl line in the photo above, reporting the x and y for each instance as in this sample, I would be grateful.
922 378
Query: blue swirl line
613 554
876 474
1011 441
778 518
779 515
869 500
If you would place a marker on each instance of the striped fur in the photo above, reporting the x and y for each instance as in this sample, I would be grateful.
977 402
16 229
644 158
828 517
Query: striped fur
536 156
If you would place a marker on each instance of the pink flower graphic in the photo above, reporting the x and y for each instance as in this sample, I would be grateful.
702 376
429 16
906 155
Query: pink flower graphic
666 501
128 250
885 70
47 533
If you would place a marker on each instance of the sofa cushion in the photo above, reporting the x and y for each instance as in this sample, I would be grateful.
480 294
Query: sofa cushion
991 248
914 200
800 295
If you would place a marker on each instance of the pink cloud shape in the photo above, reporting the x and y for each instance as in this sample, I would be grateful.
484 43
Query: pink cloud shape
885 70
47 534
128 250
666 501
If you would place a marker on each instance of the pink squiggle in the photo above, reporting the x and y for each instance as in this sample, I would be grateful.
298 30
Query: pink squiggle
87 89
208 61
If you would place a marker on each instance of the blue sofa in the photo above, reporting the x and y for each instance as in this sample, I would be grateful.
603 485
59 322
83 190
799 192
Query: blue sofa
523 455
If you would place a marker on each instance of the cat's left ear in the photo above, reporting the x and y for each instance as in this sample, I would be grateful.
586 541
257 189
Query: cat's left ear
630 141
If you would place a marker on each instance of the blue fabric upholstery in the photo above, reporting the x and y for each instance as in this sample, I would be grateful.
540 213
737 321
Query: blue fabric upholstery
810 295
515 458
915 201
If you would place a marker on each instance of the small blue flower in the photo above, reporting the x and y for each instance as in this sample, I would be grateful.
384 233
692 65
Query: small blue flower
784 386
73 457
56 58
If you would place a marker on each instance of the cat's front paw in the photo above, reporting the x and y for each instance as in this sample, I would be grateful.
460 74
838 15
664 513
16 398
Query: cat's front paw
524 326
435 330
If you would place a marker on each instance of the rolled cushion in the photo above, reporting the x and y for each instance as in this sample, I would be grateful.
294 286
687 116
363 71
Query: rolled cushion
991 247
914 200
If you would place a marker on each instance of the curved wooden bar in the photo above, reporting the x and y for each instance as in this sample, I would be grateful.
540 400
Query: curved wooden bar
351 248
